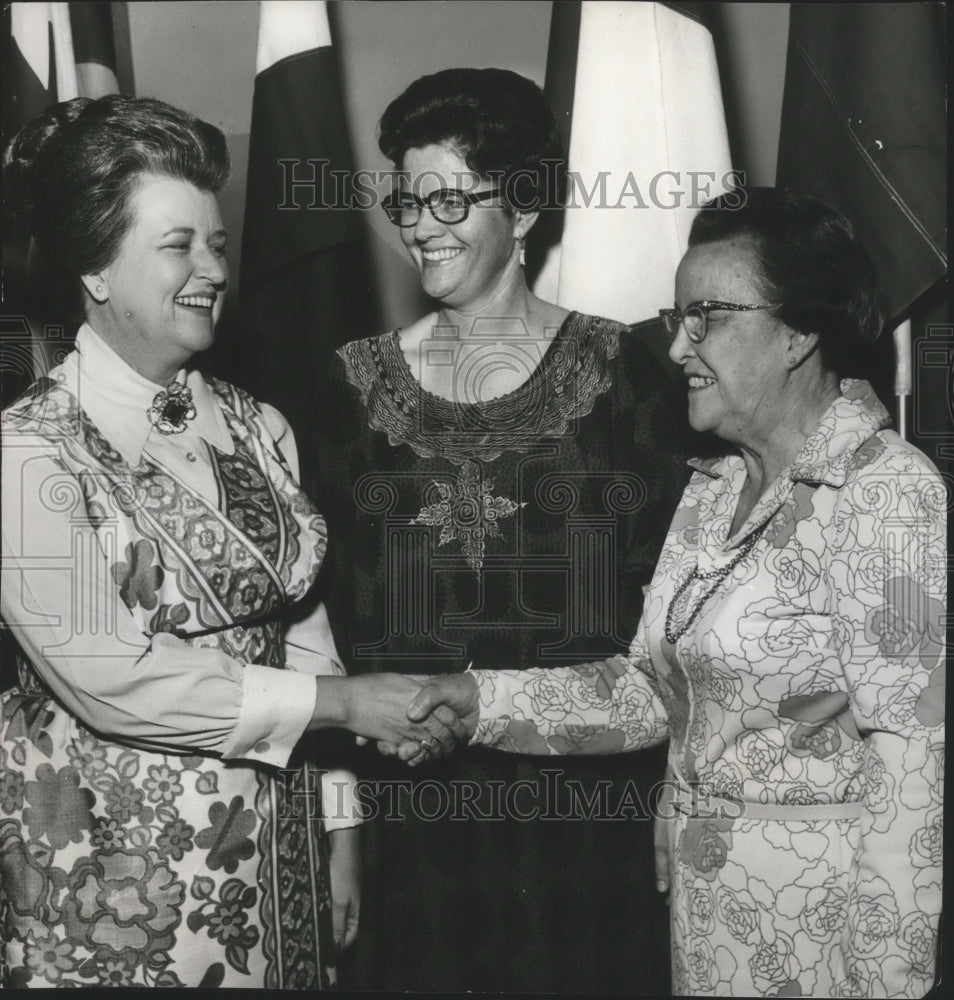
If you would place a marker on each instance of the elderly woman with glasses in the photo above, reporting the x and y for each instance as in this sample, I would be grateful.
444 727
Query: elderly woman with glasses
791 643
497 476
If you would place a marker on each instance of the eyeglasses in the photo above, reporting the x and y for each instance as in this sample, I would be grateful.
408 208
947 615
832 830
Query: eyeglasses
447 205
695 317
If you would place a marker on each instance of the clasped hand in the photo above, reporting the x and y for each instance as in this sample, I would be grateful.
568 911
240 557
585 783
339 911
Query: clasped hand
414 717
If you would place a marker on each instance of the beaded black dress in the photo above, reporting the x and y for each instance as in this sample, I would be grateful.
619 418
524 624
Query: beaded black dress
512 533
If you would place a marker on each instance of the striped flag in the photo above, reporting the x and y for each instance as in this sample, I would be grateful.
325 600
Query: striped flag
635 87
303 279
864 127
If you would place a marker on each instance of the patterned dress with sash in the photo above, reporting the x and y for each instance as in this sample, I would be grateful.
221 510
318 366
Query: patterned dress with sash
126 866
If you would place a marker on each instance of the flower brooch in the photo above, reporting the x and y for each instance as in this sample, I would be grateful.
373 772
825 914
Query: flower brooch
172 409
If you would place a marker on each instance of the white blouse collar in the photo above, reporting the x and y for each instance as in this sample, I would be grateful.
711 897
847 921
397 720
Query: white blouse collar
116 398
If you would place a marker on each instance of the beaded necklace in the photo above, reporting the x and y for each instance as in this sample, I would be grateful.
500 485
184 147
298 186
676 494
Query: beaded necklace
679 607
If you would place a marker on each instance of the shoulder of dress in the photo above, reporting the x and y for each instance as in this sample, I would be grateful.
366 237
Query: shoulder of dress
886 453
44 408
233 397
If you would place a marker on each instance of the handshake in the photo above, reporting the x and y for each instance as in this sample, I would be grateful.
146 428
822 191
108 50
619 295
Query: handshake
413 717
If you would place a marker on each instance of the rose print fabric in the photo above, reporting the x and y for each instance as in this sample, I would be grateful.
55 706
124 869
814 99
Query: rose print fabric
158 865
804 706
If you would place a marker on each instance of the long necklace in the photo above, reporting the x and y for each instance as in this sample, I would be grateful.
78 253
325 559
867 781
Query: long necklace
679 607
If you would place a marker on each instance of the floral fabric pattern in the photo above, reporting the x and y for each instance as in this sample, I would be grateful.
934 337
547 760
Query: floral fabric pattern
114 861
804 709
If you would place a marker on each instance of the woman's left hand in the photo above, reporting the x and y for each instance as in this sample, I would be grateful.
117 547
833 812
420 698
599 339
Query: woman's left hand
345 874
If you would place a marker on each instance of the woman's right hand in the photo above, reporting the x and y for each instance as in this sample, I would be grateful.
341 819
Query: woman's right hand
375 706
452 695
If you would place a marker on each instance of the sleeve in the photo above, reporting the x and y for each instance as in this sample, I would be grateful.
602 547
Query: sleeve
310 649
594 708
60 602
887 569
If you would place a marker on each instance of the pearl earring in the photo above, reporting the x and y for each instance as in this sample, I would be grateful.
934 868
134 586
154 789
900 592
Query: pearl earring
523 255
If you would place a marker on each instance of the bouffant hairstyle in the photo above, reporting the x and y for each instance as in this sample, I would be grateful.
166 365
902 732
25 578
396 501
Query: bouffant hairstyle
70 173
498 122
810 260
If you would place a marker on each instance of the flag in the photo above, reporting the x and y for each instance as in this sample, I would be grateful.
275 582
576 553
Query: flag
39 67
53 52
635 87
864 128
94 48
304 280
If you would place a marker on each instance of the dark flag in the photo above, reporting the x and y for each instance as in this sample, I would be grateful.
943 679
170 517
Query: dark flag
305 284
864 127
94 48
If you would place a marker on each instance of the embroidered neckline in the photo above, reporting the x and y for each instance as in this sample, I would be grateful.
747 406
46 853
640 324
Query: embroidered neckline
572 373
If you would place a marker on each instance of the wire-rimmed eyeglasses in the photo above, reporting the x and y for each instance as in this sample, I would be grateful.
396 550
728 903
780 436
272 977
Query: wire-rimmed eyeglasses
447 205
695 317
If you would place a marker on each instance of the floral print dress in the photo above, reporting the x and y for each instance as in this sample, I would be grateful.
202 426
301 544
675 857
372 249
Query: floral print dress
801 686
123 864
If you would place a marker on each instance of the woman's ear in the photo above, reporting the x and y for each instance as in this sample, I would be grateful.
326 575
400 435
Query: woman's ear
523 223
801 346
95 285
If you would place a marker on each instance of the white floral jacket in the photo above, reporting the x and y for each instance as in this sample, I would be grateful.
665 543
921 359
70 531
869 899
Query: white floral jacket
812 675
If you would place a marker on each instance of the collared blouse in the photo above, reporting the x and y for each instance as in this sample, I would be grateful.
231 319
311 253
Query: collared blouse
157 691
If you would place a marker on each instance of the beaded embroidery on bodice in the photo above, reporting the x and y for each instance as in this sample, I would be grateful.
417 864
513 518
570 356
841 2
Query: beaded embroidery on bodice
572 373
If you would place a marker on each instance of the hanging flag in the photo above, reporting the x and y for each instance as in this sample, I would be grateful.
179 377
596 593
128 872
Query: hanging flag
304 280
53 52
94 48
635 87
39 67
38 70
864 128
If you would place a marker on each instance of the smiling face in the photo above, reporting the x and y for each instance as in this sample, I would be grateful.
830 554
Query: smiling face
466 263
737 375
157 303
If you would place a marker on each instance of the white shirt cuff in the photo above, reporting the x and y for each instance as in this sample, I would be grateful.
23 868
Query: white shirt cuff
277 706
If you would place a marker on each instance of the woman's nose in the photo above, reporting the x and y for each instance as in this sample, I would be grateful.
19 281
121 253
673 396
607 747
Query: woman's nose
427 225
681 347
212 266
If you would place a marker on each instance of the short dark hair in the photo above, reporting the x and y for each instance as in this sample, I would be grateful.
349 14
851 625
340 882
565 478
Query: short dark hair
499 122
810 260
70 173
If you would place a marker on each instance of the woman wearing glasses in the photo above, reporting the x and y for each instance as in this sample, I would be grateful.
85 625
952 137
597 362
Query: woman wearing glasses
497 477
791 644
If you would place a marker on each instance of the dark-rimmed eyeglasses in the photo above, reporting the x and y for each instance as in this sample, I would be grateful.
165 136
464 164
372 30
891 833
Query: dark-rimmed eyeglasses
447 205
695 317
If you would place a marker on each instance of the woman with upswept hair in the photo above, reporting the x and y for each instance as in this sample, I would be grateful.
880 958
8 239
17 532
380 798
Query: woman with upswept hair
160 817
